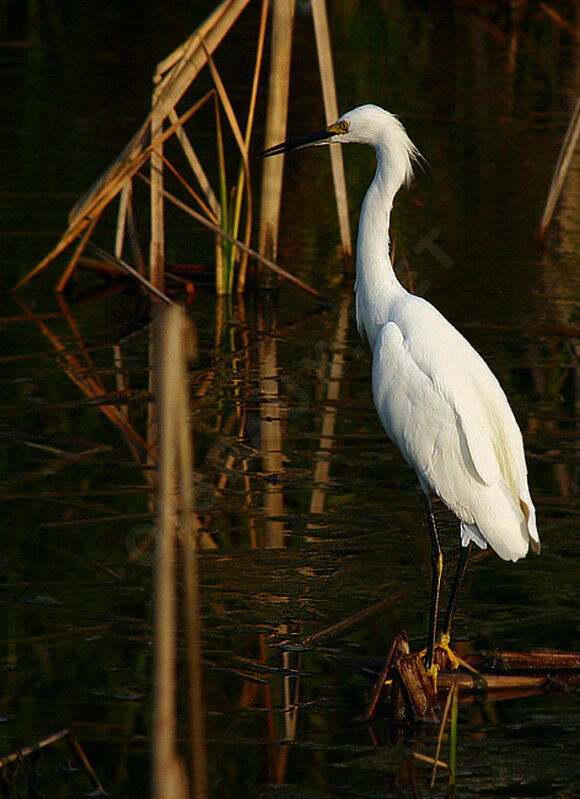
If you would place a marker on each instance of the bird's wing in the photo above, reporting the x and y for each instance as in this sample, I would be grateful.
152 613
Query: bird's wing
453 373
477 445
442 406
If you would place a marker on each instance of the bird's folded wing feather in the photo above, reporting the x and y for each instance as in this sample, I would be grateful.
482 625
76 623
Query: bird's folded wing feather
442 365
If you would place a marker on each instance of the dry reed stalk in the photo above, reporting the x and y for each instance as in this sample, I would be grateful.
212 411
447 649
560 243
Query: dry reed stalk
128 269
430 760
133 239
330 412
276 118
184 48
450 697
215 218
175 506
219 23
252 253
97 199
488 683
241 284
379 685
533 661
198 171
124 201
174 82
167 93
157 240
324 51
66 275
171 89
243 143
561 170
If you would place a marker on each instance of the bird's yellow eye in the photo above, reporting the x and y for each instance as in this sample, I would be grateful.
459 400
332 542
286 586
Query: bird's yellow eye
342 126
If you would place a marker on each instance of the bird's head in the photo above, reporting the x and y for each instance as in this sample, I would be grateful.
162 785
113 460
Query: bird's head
367 124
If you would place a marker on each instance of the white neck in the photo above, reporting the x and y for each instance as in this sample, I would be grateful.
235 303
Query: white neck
376 283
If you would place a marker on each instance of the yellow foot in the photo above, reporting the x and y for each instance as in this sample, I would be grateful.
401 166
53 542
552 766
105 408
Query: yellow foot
444 645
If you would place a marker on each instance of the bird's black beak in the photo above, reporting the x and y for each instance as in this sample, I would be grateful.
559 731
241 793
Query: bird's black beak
310 140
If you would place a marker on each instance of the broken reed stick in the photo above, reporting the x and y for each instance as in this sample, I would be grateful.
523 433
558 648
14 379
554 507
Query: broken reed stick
131 272
430 760
486 683
75 747
379 685
252 253
504 662
561 170
324 52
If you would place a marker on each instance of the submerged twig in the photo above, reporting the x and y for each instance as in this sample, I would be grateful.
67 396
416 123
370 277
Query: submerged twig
75 747
355 620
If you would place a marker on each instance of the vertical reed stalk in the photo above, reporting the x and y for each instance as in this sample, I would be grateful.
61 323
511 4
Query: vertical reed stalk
276 118
221 277
157 242
324 51
249 126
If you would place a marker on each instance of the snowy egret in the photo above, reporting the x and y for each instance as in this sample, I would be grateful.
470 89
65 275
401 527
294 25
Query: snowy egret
436 397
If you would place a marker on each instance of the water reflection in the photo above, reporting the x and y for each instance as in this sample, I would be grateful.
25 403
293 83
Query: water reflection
349 536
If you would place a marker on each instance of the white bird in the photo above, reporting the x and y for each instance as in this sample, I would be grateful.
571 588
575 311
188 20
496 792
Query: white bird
436 397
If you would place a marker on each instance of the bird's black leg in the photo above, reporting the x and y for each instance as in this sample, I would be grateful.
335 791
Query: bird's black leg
437 573
458 580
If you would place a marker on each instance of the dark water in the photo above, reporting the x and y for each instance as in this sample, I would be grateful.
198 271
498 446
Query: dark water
487 102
